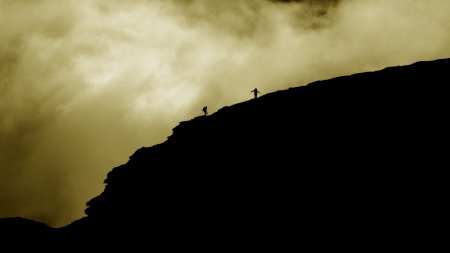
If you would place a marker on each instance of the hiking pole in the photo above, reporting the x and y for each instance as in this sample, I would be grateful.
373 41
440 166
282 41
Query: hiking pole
245 99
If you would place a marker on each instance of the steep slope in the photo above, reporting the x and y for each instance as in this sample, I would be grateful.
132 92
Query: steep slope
330 163
333 155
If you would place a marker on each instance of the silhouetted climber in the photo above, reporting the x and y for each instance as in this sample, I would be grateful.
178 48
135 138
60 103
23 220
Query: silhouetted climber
256 91
205 110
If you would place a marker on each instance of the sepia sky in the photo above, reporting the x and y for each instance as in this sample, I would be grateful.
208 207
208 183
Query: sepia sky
84 83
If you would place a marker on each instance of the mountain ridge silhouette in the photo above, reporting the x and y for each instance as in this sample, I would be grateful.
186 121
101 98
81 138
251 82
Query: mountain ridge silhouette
335 161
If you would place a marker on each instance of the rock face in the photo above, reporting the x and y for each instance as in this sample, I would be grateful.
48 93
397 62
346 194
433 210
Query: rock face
330 163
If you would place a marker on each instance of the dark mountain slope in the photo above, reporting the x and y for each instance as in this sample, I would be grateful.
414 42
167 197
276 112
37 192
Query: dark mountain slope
335 155
18 234
334 162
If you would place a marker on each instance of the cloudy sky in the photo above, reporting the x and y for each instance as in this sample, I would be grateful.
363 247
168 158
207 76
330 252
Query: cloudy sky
84 83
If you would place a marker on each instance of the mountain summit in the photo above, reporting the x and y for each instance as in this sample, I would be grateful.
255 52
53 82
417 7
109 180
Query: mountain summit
328 163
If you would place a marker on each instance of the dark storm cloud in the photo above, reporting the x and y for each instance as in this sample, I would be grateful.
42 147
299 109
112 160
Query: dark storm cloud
251 17
308 14
85 83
